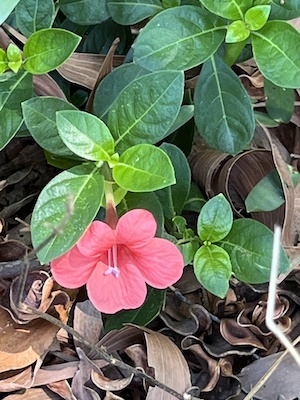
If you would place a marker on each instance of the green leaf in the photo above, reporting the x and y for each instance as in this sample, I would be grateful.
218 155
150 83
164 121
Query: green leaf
215 219
223 110
112 85
237 32
256 17
179 38
195 200
185 114
267 195
141 316
285 9
33 15
80 189
274 52
47 49
146 109
40 118
144 168
181 166
87 12
279 102
14 88
164 197
264 119
212 268
230 9
3 61
14 57
188 251
129 12
6 8
85 135
249 245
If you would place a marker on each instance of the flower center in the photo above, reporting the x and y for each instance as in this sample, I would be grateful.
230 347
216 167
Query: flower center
112 262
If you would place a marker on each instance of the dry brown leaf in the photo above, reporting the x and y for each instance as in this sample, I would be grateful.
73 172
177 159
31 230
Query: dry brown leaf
237 335
284 380
16 380
169 364
62 388
35 394
21 346
83 68
88 322
113 385
11 250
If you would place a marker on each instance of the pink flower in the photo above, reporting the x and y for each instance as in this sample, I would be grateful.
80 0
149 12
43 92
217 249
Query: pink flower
115 264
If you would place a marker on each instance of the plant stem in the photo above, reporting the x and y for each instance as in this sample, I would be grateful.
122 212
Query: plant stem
232 51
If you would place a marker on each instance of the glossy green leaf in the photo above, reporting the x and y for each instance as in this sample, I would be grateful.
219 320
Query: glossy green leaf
179 38
285 9
47 49
141 316
146 109
170 3
112 85
223 110
230 9
14 88
6 8
129 12
256 17
181 166
3 61
79 189
33 15
40 118
215 219
213 269
87 12
144 168
185 114
274 52
14 58
249 245
279 102
85 135
267 195
237 32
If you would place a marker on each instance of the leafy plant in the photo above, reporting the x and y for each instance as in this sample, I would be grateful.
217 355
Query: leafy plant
131 150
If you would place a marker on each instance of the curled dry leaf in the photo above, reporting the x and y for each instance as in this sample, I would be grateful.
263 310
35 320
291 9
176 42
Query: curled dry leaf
197 319
16 380
138 354
12 250
209 369
237 335
21 346
113 385
38 294
62 388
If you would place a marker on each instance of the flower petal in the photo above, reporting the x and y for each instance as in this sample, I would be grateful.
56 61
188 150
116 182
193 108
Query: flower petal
97 239
110 294
72 269
136 228
160 262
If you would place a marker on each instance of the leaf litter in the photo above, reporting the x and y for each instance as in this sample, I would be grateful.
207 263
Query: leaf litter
199 344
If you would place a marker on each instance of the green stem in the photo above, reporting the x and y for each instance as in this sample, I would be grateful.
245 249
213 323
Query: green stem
232 51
